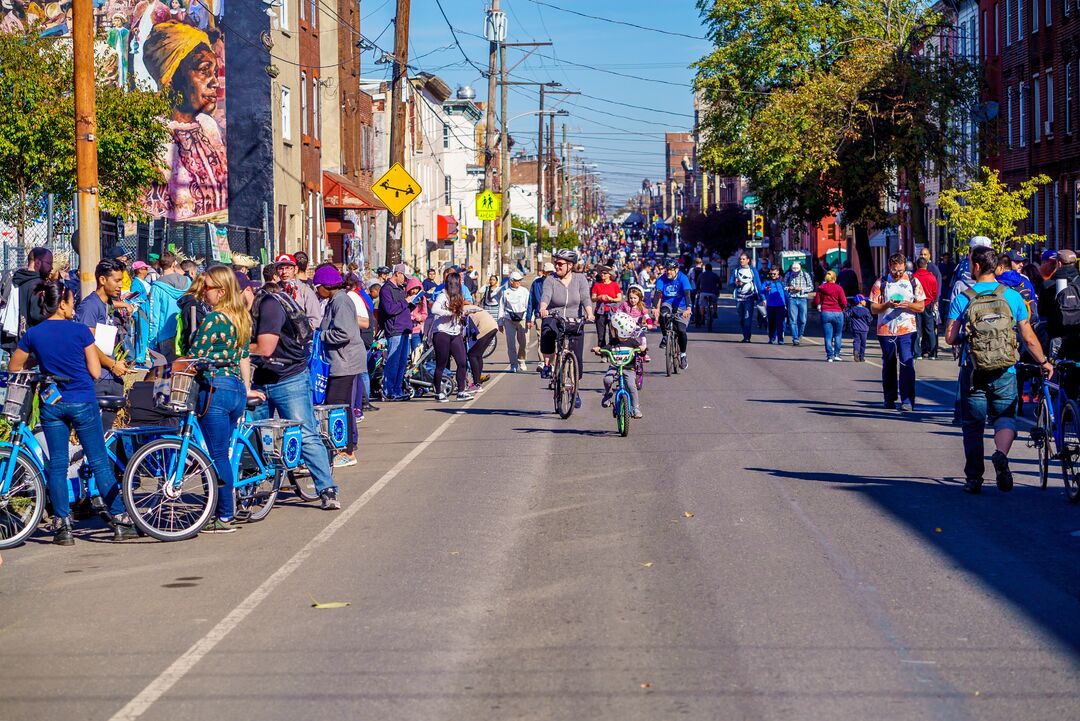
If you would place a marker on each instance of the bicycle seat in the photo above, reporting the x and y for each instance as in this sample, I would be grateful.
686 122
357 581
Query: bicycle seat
111 403
253 403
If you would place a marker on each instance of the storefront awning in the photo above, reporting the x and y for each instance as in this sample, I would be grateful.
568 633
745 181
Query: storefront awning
448 227
340 192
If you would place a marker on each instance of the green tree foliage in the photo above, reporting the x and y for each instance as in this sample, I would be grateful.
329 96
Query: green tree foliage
37 134
987 207
822 104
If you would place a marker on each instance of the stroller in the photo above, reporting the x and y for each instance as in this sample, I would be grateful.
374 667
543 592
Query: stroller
420 372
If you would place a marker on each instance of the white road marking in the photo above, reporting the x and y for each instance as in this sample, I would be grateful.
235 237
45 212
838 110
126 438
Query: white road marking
181 666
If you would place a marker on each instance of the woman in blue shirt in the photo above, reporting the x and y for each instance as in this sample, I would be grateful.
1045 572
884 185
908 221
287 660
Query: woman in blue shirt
775 305
65 348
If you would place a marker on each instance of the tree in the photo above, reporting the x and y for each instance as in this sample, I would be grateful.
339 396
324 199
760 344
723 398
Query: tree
37 134
987 207
824 106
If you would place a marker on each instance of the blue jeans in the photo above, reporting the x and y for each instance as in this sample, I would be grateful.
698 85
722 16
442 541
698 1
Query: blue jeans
397 355
57 422
796 318
985 397
746 315
228 401
291 398
832 325
898 359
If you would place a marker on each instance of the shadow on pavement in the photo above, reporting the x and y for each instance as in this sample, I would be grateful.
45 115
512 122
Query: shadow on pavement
1018 545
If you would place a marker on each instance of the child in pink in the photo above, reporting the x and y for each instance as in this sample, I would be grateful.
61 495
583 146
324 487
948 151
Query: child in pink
635 307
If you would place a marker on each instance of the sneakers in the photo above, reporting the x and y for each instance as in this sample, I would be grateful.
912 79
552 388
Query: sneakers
329 500
484 378
344 460
577 400
973 486
605 402
682 361
442 398
663 342
216 525
794 342
904 408
646 358
63 535
1001 468
475 388
636 413
123 528
465 396
780 342
540 369
545 371
772 341
830 359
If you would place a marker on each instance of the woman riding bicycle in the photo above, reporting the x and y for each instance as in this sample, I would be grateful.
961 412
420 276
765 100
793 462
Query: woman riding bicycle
66 349
565 295
223 338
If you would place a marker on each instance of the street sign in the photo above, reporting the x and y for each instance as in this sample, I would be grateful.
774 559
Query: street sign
750 201
396 189
758 243
488 205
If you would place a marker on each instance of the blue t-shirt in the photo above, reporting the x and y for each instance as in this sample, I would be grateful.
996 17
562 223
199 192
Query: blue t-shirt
673 292
60 348
91 311
1019 309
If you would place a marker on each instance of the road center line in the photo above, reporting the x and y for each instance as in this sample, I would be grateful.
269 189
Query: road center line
181 666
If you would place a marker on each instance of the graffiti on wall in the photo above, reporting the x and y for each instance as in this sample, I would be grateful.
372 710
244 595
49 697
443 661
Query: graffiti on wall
172 45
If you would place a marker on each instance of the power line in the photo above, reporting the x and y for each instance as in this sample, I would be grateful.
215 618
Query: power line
453 33
617 22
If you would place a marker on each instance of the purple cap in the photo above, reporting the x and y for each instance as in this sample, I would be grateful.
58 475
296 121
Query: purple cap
327 275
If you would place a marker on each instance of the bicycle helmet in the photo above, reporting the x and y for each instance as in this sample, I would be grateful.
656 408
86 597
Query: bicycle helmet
671 264
570 256
638 288
624 325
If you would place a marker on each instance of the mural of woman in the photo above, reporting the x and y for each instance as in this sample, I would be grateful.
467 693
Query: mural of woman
181 57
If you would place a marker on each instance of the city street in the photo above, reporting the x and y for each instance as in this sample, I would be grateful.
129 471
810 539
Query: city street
767 544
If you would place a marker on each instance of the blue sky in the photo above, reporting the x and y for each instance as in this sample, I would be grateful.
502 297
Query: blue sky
624 158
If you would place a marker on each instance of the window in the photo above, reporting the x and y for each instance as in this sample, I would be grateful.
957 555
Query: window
1049 13
1022 135
447 186
1036 109
1068 97
283 16
1068 7
997 31
1034 16
446 135
315 13
303 10
1009 118
286 114
1049 102
303 104
1019 19
1008 23
316 107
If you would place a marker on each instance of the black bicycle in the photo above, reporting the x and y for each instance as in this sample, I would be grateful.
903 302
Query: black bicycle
671 341
565 370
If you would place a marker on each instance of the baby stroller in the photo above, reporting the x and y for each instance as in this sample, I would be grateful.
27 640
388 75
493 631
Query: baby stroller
376 364
420 372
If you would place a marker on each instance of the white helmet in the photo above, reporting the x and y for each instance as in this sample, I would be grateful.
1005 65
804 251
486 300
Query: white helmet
624 325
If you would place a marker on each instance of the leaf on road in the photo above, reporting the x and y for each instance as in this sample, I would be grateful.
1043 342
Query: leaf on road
455 553
646 685
647 564
687 514
329 604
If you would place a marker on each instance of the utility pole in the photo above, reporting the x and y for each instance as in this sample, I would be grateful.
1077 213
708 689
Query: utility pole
506 242
397 119
489 134
564 215
86 160
540 178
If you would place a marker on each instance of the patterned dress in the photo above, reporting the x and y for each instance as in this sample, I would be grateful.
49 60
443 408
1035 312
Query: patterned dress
217 341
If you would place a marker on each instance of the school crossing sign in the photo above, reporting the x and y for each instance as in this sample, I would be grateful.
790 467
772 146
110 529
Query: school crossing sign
488 205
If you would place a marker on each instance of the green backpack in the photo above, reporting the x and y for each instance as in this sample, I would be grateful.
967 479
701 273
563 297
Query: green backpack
989 329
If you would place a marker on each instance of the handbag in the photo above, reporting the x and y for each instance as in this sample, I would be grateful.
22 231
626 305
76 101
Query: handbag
318 369
516 317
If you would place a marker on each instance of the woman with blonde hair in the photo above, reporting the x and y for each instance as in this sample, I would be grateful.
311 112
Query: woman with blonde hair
223 336
831 301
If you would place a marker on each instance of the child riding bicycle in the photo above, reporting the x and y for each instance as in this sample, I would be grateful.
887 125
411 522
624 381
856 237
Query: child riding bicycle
625 332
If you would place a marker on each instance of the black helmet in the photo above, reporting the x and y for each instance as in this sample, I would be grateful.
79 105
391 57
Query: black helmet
671 264
382 270
570 256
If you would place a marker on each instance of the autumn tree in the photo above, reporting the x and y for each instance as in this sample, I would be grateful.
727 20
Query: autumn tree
987 207
823 106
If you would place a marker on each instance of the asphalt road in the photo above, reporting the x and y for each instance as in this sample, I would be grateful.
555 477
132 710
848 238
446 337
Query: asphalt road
767 544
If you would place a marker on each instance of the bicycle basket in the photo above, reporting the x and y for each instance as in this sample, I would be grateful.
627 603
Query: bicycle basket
182 385
19 401
334 424
280 440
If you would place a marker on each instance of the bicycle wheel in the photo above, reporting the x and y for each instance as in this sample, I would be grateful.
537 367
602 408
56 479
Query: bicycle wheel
301 482
622 414
566 386
673 349
157 504
639 372
1043 437
712 315
669 358
23 505
492 346
254 498
1069 453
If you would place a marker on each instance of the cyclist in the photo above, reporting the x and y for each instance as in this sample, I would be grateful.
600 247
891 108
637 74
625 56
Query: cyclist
708 289
673 292
66 348
634 306
565 294
625 332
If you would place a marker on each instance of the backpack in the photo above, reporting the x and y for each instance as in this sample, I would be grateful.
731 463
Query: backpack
185 331
989 330
1068 303
295 315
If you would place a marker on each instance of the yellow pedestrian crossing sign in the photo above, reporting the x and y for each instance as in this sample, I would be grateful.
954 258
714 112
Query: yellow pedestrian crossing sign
488 205
397 189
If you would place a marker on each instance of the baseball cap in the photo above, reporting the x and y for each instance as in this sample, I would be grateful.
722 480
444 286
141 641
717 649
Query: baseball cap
1048 255
549 267
402 268
285 259
979 241
116 252
1015 256
139 265
516 276
860 298
327 275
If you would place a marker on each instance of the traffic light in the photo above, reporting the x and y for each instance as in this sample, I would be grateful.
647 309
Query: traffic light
832 231
759 227
749 229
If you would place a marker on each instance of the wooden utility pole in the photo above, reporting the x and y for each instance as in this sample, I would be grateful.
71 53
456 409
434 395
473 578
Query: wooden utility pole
564 198
505 223
400 83
489 144
540 178
86 160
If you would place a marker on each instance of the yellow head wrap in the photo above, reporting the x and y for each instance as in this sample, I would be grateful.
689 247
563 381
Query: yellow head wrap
167 46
